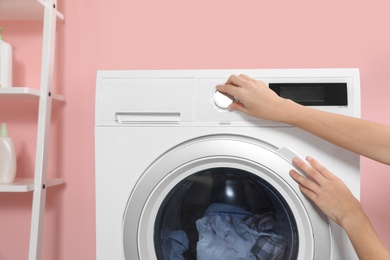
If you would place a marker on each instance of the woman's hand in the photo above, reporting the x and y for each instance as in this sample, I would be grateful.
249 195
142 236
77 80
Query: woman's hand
326 190
334 198
255 98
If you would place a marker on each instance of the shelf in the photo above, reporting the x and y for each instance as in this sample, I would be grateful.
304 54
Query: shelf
26 185
25 93
23 10
46 11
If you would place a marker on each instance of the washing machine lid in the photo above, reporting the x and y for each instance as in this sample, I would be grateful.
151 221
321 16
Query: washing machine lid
250 158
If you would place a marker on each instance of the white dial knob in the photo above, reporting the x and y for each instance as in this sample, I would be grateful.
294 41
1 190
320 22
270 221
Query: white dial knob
221 100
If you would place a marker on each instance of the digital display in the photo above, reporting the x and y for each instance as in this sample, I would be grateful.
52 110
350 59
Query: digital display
313 94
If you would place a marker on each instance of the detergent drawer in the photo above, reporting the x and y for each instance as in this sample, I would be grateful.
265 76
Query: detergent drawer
142 100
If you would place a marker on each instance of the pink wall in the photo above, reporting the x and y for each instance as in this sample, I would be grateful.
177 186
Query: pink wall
176 34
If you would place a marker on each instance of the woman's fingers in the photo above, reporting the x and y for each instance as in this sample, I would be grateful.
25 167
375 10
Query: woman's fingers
308 187
229 89
319 168
237 80
314 170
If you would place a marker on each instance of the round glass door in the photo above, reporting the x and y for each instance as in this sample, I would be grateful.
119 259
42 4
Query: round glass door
225 213
222 198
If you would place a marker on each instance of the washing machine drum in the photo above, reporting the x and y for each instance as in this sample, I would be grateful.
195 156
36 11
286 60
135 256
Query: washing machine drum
225 213
222 197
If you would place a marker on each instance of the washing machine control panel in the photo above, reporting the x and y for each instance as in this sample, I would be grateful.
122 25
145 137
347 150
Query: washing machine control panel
191 98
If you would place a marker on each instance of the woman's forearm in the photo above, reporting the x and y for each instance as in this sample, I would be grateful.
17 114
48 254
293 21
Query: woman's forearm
363 237
366 138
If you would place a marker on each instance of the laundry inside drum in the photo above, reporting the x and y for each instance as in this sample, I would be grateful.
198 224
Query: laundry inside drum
225 213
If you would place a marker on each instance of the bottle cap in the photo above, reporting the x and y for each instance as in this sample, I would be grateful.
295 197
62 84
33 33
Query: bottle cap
1 37
3 132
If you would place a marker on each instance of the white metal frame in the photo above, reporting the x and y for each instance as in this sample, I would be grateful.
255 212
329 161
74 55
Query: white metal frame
44 120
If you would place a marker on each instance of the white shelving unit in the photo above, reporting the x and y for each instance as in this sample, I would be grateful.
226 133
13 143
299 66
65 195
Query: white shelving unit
36 10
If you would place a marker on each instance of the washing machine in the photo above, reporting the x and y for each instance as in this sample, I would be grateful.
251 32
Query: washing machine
179 176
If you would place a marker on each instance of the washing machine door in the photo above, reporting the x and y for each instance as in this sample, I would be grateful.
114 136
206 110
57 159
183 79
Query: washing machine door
223 197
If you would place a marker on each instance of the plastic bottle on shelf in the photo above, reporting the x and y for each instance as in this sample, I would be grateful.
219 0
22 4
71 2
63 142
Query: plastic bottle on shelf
5 63
7 157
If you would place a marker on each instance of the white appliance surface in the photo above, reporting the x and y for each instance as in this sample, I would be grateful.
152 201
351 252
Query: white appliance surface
154 130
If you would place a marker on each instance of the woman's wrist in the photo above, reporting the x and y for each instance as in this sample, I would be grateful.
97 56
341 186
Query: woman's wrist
290 112
354 218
